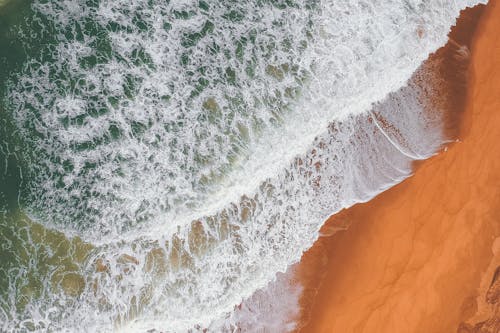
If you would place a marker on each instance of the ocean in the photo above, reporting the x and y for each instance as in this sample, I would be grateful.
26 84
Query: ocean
164 161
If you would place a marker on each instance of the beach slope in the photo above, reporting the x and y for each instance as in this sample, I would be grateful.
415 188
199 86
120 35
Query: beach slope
422 256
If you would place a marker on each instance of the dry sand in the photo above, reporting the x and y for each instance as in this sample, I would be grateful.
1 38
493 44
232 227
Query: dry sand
421 257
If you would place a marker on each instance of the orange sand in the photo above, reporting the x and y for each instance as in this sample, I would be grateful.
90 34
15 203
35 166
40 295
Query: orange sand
421 256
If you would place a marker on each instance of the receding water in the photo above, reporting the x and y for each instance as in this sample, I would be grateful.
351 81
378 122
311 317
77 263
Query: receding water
163 160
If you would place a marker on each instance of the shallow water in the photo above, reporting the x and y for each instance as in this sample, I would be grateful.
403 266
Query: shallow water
164 160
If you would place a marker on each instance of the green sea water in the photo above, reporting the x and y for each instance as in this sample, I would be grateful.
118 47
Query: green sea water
42 268
35 262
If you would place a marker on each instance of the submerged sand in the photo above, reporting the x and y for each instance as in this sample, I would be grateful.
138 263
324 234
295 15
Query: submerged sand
424 255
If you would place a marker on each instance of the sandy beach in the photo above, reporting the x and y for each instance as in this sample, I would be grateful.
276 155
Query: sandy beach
422 256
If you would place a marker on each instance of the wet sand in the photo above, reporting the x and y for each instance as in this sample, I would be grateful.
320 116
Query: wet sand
422 256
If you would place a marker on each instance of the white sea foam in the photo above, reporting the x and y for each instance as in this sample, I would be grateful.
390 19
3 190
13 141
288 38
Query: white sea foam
194 137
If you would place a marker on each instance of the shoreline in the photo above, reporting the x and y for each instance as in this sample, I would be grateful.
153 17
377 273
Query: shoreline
421 256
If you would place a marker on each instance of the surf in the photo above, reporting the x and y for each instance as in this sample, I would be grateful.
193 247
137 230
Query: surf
197 147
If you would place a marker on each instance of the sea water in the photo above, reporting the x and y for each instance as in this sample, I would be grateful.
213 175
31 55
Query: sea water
164 160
